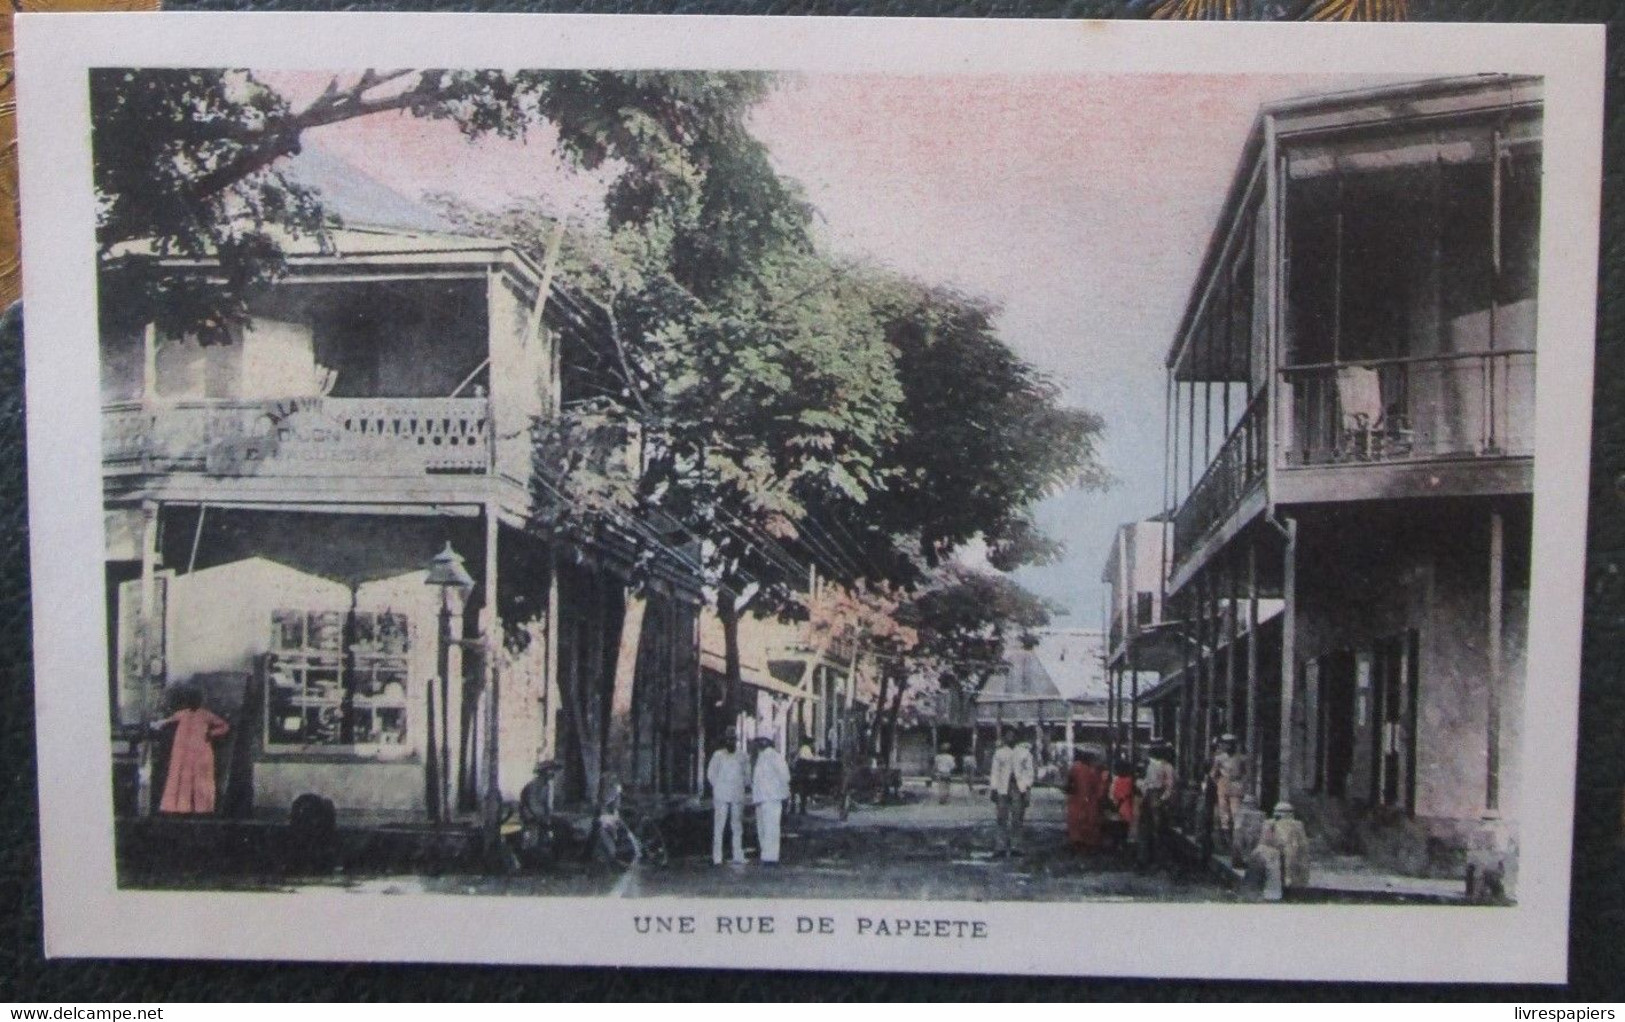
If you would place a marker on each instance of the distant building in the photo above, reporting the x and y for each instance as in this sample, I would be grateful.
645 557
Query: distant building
794 689
1140 648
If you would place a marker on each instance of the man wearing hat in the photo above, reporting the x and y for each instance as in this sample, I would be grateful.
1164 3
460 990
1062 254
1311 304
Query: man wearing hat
769 790
1229 783
726 774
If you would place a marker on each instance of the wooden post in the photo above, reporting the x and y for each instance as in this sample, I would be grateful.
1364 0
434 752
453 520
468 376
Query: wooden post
1170 461
1492 751
1182 728
1233 623
1134 710
1255 774
1289 657
490 641
698 777
1204 676
148 648
1114 713
431 760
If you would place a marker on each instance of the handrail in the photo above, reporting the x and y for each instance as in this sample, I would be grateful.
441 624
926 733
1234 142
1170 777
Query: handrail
1232 473
374 436
1377 363
1212 466
1445 405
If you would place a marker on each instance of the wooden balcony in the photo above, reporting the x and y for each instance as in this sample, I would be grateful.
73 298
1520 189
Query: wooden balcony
1461 405
1454 424
1235 472
299 437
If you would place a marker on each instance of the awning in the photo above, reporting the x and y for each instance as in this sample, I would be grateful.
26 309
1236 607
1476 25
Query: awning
753 676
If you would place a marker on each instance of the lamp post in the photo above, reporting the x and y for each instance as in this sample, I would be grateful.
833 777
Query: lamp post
446 571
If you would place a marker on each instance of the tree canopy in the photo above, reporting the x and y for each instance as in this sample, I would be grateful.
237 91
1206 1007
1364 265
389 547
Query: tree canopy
191 161
771 406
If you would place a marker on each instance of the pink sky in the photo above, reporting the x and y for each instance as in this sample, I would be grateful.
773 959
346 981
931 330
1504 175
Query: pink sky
1080 204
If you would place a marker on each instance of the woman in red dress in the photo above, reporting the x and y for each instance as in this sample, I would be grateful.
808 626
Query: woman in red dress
1085 790
189 787
1122 794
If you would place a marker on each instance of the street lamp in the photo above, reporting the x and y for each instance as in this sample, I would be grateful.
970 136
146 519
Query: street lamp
447 572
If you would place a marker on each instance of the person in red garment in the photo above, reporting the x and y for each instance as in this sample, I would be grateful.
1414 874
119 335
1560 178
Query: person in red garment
1085 790
189 788
1122 795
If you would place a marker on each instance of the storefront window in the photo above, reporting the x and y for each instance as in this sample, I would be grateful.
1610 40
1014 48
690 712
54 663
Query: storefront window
315 698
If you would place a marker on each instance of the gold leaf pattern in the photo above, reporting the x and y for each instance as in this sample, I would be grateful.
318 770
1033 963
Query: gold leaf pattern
10 231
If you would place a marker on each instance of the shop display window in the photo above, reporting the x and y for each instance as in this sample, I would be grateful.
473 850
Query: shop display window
318 698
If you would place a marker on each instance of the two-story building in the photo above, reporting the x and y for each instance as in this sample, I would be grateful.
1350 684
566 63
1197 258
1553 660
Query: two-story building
1140 647
275 504
1350 418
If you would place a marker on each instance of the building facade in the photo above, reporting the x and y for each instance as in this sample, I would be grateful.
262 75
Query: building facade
275 505
1350 433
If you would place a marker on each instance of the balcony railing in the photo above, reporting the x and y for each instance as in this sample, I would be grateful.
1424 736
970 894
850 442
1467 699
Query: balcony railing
1238 467
1461 405
300 437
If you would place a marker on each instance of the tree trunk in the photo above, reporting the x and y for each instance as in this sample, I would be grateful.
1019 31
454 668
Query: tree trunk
888 734
618 758
585 681
728 614
874 739
577 715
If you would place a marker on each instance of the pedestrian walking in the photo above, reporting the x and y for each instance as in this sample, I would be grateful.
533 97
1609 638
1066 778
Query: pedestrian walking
1085 791
1010 786
1156 803
189 784
769 788
726 775
942 770
1228 772
1123 800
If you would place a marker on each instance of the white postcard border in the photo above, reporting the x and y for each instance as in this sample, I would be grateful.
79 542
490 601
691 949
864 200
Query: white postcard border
88 915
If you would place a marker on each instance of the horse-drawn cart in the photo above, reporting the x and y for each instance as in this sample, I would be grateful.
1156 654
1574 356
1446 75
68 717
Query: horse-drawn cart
832 782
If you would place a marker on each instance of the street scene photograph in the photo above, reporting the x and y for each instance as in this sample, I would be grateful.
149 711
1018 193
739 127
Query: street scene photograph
974 487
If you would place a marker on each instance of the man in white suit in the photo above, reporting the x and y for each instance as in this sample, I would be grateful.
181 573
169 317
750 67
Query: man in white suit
726 774
769 788
1010 785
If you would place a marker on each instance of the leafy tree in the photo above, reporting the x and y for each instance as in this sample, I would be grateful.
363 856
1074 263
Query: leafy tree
190 162
751 371
765 405
965 620
983 437
745 373
951 632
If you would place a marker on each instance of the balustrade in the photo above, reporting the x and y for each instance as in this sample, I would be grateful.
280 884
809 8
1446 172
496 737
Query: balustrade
301 436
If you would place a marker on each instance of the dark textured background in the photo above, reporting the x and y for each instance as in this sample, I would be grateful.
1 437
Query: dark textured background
1597 969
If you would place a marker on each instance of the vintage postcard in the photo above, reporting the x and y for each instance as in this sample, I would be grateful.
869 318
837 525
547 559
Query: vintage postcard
824 494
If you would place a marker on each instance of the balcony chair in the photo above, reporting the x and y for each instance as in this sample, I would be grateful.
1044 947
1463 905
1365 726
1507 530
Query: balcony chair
1369 430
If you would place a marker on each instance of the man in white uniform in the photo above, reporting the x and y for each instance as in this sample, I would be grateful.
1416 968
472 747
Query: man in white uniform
726 774
1012 780
942 770
769 788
